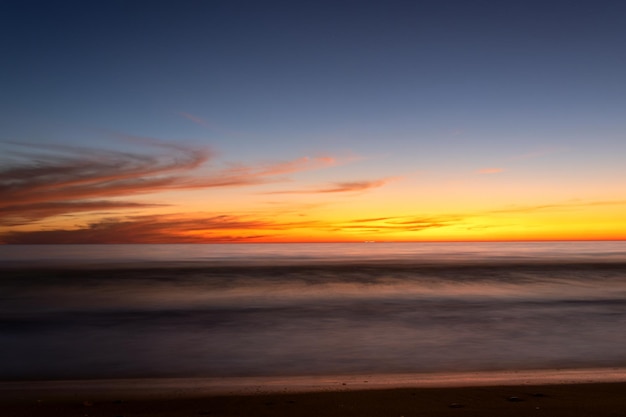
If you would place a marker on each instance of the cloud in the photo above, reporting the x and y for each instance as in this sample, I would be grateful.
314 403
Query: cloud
490 170
38 181
340 187
279 168
21 214
206 228
371 219
399 224
604 203
55 179
159 229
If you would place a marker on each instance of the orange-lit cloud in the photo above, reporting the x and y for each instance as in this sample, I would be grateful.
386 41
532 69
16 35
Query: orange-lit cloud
22 214
400 224
342 187
280 168
205 228
267 226
45 180
339 187
160 229
91 196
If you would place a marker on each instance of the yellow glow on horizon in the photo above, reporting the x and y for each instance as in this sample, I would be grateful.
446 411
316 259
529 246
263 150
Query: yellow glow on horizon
382 215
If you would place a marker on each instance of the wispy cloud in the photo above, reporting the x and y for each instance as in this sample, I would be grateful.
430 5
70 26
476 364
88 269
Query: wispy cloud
197 228
339 187
206 228
399 224
352 186
255 226
38 181
61 174
371 219
22 214
305 163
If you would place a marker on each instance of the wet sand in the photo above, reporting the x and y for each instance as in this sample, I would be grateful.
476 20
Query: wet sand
329 397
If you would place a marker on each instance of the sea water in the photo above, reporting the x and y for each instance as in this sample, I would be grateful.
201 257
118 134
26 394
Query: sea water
126 311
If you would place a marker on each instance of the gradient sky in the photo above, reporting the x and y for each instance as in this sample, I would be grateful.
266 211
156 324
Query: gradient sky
264 121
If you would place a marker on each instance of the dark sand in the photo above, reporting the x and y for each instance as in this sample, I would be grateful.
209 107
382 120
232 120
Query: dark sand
95 399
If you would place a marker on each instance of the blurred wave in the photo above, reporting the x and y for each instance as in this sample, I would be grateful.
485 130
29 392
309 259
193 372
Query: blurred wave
313 311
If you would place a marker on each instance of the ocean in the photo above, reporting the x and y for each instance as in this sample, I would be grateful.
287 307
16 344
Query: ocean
146 311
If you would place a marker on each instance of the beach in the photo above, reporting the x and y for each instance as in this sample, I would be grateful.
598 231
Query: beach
552 397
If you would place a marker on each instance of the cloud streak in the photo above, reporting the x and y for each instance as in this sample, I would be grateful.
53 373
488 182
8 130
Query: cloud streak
209 228
54 180
400 224
258 227
80 173
159 229
39 181
340 187
22 214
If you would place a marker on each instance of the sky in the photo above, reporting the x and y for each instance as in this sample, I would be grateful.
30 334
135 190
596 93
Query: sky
312 121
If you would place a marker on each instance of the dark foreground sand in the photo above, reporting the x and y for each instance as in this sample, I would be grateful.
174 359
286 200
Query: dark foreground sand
83 400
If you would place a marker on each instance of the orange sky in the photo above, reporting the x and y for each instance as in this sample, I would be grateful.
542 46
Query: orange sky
170 193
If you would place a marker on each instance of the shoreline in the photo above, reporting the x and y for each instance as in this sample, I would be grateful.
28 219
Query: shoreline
195 386
595 392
